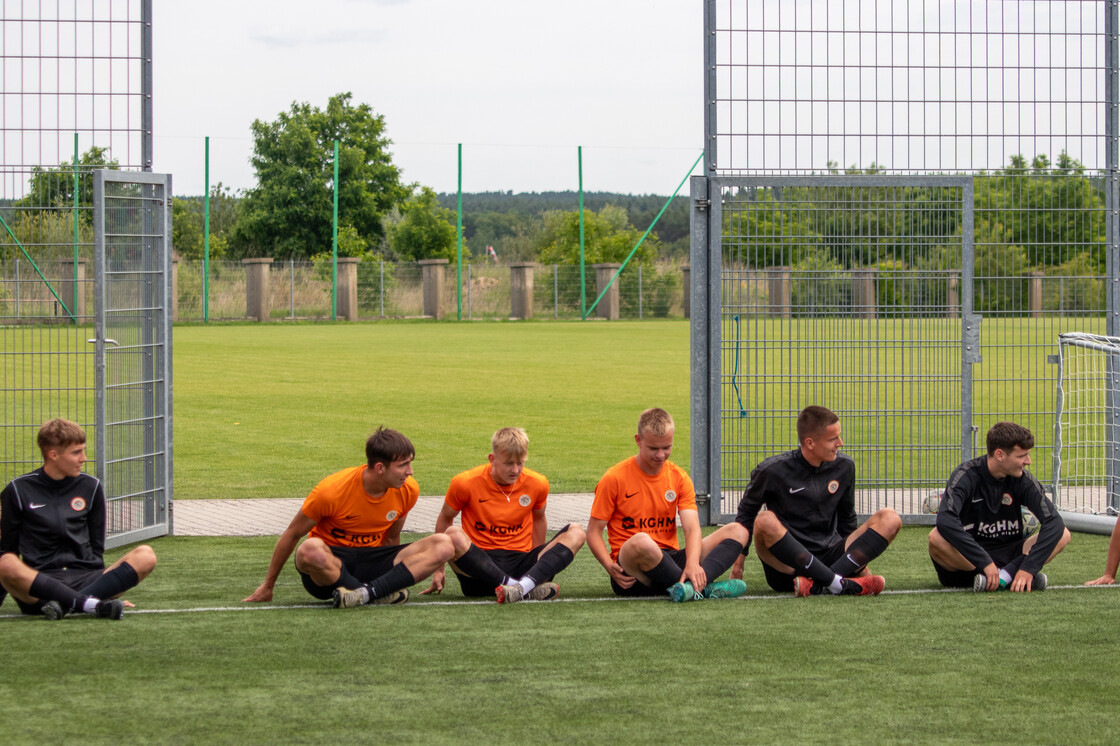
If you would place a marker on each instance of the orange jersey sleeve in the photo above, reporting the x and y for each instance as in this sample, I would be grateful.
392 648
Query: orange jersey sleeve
346 516
496 517
631 501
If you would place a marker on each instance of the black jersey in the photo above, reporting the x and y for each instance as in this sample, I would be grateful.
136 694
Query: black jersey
815 503
54 523
979 512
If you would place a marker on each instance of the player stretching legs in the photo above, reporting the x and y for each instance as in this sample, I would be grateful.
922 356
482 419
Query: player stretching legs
978 540
503 537
807 538
355 517
52 535
638 501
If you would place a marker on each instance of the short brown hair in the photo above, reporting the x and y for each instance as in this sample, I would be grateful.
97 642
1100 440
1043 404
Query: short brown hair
59 433
513 441
1006 435
386 446
656 422
813 420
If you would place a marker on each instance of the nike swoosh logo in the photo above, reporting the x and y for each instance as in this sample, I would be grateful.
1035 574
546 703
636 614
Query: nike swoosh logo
631 494
33 506
977 499
793 491
483 499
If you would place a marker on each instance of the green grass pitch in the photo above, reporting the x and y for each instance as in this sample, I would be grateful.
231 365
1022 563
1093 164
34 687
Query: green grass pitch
192 665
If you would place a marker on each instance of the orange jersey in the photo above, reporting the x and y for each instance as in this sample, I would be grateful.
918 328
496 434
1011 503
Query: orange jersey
631 501
497 517
346 515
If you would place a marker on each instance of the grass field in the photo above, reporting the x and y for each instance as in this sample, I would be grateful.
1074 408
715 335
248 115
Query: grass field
191 665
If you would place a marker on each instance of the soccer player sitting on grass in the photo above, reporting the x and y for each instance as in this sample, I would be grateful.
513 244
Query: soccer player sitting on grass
1111 561
503 505
637 501
978 540
52 535
807 538
355 517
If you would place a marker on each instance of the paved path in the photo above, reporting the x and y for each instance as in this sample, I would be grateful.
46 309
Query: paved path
269 517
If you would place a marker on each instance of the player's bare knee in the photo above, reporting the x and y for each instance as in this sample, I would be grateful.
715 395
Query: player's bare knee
574 538
735 531
313 554
460 542
767 528
142 559
887 523
444 548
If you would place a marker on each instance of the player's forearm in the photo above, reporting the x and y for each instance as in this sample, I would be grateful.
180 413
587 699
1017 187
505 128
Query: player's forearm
280 555
599 549
443 523
1049 534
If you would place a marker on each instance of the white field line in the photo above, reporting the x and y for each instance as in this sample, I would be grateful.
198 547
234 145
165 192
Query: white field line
488 602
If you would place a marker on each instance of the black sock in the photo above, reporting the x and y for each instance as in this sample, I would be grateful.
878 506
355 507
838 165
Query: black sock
46 588
1013 566
550 563
346 580
722 556
113 583
790 551
665 574
397 578
479 566
866 547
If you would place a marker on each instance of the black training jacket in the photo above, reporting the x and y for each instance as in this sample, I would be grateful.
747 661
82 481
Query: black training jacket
52 523
815 503
979 512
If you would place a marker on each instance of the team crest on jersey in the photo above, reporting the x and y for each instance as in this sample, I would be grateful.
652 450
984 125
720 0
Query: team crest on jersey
524 501
1006 500
78 504
670 496
833 486
391 515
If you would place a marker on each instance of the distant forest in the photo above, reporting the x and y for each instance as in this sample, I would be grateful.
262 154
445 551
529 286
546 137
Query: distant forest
513 223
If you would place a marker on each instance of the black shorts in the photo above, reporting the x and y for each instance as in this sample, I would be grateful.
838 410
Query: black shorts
513 563
1001 555
364 563
73 578
783 583
639 588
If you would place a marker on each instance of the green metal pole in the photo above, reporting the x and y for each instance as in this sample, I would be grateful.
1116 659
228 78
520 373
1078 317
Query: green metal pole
582 265
334 241
206 237
77 185
459 259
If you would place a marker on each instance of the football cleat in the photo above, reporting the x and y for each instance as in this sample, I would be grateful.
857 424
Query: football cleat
980 583
730 588
53 611
509 594
345 598
393 599
544 592
803 587
864 585
681 592
1040 582
111 609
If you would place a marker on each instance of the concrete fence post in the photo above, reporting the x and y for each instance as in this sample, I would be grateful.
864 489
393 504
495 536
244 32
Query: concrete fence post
686 299
863 293
433 271
521 289
953 298
779 286
173 301
608 306
348 288
258 296
67 286
1034 293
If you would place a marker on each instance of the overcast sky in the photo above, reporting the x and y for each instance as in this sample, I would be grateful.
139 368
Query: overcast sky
519 84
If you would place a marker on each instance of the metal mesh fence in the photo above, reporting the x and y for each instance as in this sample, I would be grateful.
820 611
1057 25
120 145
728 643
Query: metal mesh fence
1016 98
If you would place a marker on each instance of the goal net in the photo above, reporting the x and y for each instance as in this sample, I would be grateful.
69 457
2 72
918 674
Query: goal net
1087 425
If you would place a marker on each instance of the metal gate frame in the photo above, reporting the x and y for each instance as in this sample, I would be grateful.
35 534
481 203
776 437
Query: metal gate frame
139 292
706 249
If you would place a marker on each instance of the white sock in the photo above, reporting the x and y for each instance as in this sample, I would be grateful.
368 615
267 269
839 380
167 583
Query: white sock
837 584
527 584
89 606
1005 576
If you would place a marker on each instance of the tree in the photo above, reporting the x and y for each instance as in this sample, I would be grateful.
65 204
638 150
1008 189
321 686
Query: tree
188 222
608 237
289 212
425 230
54 187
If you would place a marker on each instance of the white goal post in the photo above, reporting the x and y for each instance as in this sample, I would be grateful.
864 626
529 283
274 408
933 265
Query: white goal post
1087 431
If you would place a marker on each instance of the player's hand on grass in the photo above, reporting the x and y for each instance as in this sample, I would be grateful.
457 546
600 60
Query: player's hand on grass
695 575
737 567
1102 580
1022 581
619 575
438 579
262 593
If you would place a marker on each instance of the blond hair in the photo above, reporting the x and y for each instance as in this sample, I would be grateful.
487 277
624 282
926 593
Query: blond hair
656 422
512 441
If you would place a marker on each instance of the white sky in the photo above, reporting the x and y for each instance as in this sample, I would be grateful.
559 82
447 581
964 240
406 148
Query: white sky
519 84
